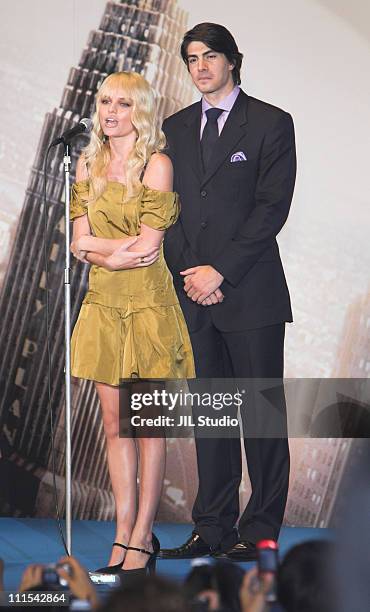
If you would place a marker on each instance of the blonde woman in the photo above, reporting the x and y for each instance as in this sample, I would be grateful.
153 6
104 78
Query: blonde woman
130 325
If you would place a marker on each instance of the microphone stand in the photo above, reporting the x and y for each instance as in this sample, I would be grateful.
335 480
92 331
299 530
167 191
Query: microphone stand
84 124
67 337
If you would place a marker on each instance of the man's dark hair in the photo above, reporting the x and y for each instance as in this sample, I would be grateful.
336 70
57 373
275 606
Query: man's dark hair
217 38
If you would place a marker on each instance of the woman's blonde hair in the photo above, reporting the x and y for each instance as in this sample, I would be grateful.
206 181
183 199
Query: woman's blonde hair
150 138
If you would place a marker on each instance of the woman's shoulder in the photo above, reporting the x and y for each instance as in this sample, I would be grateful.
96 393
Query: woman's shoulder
159 159
159 173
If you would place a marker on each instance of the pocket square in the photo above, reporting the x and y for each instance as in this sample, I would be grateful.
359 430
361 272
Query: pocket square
238 157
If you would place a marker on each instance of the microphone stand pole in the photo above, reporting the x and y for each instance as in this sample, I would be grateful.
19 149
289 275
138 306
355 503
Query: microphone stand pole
67 335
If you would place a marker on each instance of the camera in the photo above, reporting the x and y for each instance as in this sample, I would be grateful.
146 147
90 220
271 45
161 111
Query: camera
267 562
51 578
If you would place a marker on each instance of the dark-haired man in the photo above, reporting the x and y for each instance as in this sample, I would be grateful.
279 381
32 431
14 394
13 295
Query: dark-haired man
234 163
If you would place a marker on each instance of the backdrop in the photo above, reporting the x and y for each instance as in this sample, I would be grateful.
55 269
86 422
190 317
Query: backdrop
309 57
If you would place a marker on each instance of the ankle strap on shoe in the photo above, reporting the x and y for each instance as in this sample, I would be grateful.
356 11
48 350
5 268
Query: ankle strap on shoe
121 545
141 550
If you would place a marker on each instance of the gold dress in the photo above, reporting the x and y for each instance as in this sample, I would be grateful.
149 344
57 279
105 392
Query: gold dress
130 323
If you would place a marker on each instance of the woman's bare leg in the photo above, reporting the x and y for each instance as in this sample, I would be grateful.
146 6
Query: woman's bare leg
152 466
122 463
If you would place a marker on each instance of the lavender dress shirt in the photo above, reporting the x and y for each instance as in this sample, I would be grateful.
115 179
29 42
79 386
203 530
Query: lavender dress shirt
226 104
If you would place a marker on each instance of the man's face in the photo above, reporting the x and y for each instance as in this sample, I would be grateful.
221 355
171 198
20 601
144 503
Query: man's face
210 70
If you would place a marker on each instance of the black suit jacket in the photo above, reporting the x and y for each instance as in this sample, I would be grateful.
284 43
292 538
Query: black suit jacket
231 214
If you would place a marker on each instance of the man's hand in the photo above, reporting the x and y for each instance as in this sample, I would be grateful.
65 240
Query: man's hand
200 282
215 298
123 259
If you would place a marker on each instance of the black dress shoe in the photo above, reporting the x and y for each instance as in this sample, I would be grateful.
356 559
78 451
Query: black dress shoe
192 548
241 551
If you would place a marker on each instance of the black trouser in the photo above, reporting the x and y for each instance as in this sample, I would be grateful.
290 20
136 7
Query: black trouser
255 353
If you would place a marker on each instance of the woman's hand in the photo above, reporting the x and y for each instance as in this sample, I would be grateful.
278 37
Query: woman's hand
77 249
123 259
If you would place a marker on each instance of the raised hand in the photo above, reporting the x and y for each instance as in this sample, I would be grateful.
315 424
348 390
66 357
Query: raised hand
32 577
254 590
78 580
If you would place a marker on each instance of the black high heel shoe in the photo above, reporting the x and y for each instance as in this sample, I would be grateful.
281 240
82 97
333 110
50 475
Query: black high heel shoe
127 575
112 569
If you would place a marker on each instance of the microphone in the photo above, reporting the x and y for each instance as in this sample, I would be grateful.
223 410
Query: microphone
85 125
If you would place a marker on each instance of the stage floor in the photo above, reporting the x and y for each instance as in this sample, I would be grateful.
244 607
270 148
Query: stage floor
25 541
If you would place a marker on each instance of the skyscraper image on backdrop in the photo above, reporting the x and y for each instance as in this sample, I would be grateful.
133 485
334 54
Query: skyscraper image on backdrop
144 36
135 35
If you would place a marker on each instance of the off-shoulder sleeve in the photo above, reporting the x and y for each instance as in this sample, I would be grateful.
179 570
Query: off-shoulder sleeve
159 209
79 199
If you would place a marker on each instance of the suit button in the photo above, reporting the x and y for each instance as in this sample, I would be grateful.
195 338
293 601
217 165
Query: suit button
203 225
203 193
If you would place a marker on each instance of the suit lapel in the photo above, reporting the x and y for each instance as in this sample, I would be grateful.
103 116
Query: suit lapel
233 131
191 140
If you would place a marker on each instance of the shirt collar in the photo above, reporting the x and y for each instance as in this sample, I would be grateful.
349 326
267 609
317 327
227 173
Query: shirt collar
226 104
